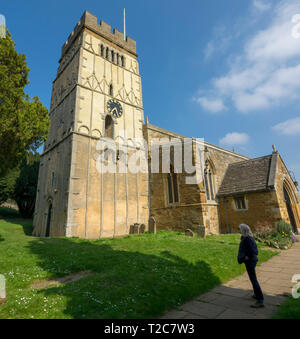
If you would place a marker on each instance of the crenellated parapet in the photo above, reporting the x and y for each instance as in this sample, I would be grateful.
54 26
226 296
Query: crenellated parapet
90 21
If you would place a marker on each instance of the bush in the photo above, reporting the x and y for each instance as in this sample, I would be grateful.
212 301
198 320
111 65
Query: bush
20 184
26 185
283 228
264 229
282 242
279 237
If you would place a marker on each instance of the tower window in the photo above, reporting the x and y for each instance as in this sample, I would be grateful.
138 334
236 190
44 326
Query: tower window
111 90
107 53
102 50
112 56
118 57
109 125
52 179
122 61
172 186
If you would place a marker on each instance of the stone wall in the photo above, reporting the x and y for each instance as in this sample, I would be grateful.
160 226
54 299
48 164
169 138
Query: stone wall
283 179
193 209
261 207
103 205
53 189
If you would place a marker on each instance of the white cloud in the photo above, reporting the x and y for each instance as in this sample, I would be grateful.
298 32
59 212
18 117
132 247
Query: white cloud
267 71
219 43
262 5
234 139
289 127
209 50
211 105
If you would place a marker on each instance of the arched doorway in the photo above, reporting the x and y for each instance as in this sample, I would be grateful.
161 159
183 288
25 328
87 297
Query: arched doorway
48 221
290 210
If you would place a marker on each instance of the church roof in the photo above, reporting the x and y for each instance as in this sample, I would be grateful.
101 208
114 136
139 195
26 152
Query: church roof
250 176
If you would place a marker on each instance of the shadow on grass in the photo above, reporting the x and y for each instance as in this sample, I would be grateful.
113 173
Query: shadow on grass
12 216
6 212
126 284
25 223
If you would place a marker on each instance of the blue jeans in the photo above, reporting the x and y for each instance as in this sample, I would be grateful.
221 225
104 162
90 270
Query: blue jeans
250 266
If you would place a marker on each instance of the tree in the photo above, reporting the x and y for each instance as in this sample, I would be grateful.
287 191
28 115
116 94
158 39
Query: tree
7 184
24 122
26 184
20 184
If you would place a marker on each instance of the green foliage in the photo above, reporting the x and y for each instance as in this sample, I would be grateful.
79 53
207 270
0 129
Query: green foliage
26 185
139 276
9 213
20 184
279 238
7 184
289 310
24 123
283 228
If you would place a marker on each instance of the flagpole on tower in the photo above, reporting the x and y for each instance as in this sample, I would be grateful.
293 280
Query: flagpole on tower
124 24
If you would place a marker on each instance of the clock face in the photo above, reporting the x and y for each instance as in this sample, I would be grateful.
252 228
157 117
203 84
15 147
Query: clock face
115 108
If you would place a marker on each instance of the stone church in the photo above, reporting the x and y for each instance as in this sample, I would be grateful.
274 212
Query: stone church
97 94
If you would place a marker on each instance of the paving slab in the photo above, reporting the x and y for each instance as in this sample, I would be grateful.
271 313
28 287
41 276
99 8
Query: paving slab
232 300
202 309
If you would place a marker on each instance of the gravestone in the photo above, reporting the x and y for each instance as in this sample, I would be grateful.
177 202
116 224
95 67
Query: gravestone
201 231
136 228
189 233
142 229
152 225
2 289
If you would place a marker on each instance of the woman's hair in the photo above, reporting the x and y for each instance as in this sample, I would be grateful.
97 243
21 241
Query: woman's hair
245 230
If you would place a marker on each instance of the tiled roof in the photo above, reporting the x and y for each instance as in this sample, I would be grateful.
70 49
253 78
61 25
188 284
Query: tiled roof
249 176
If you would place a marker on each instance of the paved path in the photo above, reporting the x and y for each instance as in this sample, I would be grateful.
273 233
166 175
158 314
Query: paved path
233 299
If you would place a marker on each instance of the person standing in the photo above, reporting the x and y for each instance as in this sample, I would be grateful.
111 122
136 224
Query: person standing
248 253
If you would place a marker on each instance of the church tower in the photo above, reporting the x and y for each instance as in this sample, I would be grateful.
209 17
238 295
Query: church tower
97 93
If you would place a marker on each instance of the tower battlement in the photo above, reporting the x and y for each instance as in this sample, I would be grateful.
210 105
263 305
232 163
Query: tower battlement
90 21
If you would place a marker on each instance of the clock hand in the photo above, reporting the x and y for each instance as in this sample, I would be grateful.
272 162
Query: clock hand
114 110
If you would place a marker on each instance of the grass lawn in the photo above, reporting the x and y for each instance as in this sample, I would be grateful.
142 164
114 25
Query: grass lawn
139 276
289 310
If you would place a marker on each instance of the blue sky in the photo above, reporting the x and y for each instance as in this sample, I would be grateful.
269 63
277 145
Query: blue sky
227 71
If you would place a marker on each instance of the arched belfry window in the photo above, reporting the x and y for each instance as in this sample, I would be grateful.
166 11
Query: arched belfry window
109 127
102 50
173 186
122 61
111 90
209 179
112 56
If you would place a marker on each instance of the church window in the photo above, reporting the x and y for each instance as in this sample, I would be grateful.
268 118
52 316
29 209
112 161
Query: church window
240 203
109 125
107 53
118 57
122 61
172 186
111 90
212 193
209 181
